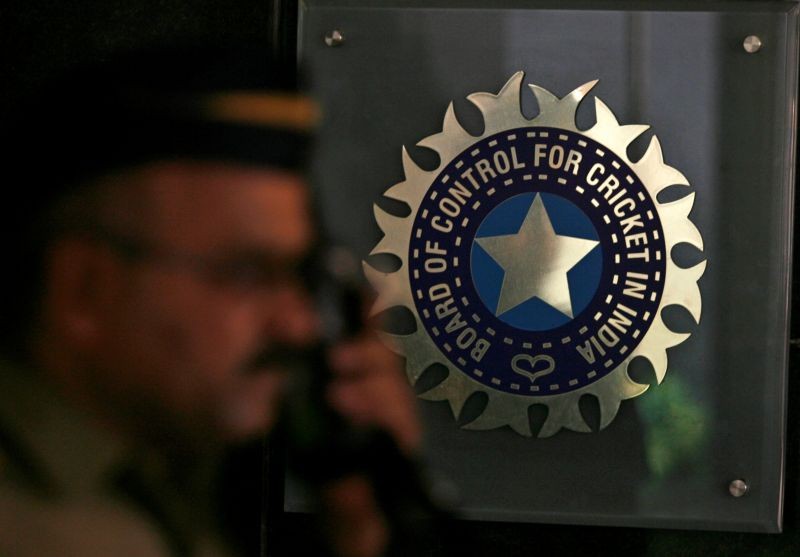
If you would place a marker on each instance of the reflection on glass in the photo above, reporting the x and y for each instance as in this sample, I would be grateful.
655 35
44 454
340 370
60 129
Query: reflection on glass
723 117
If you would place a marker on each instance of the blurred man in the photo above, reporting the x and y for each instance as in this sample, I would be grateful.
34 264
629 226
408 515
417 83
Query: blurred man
156 304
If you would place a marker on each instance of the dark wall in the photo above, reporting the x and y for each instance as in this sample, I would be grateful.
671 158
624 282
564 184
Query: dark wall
40 38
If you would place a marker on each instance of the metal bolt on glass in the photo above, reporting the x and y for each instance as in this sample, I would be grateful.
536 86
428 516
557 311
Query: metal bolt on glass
737 488
752 44
334 38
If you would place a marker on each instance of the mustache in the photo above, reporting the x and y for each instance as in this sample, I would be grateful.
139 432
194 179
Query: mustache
281 357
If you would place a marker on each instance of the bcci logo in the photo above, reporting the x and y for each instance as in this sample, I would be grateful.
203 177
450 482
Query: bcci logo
536 261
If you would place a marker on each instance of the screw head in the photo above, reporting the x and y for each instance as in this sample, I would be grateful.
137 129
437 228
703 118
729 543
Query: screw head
752 44
737 488
334 38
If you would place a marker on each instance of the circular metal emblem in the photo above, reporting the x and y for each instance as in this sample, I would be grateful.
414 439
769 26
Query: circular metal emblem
536 261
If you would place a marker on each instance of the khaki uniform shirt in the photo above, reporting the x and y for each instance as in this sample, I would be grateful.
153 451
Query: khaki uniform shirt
69 488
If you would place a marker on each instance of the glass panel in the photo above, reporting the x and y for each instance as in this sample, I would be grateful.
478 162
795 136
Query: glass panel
724 117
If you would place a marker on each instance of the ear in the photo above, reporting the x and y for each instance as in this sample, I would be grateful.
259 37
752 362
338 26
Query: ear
79 291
